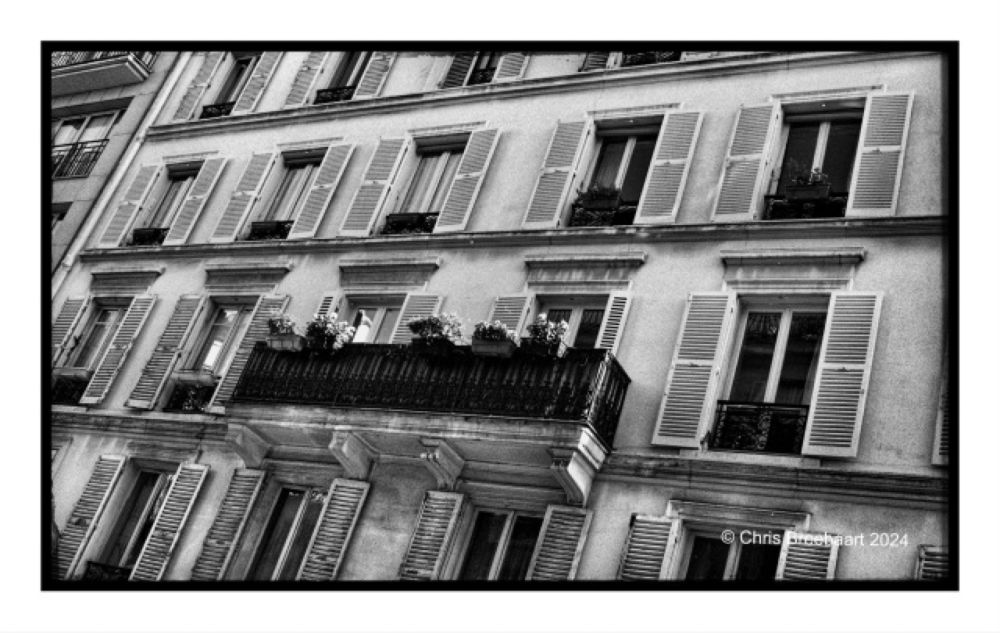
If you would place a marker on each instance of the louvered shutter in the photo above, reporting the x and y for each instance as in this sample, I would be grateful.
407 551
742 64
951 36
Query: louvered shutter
195 201
371 195
431 536
417 305
744 173
267 306
321 192
259 78
333 530
328 304
668 171
560 543
302 85
199 84
879 160
556 176
512 311
372 80
246 193
688 399
942 438
87 512
807 557
932 563
511 66
231 519
170 520
168 349
66 324
615 315
458 72
121 343
595 61
845 361
128 208
650 538
468 180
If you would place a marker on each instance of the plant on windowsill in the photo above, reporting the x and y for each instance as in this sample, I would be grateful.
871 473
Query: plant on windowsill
325 333
545 338
814 185
283 335
601 206
436 334
493 339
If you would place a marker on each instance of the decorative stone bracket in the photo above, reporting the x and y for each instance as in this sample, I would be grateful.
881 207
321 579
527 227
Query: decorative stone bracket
443 461
354 454
574 469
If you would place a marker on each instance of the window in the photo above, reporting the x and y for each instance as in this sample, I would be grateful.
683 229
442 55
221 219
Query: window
500 546
222 338
283 544
78 142
239 75
97 336
583 316
375 322
484 66
428 187
171 197
284 197
707 557
136 519
345 77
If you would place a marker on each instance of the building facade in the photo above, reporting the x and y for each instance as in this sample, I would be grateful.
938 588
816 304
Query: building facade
746 250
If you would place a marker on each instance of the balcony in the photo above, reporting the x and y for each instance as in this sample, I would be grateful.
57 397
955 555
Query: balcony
797 207
407 223
81 71
76 160
332 95
759 427
216 110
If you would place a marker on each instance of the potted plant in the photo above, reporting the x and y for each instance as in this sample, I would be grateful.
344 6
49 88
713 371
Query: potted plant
325 333
545 338
598 198
436 334
282 334
814 185
493 339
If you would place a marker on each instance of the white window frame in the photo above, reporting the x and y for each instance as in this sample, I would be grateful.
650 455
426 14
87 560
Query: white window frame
232 338
353 77
428 195
266 210
577 304
190 173
58 123
632 138
380 306
293 531
499 556
694 529
96 307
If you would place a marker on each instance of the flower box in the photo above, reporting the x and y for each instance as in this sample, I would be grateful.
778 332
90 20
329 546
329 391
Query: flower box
807 192
495 349
286 342
543 349
437 346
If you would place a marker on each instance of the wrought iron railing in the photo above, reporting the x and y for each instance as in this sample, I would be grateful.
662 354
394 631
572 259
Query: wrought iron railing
216 110
787 208
270 230
481 76
149 236
188 398
650 57
330 95
105 573
70 58
68 389
591 215
76 160
404 223
758 426
583 386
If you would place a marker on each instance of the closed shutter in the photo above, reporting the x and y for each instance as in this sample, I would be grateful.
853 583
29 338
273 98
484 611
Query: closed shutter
468 180
879 160
558 169
371 195
372 80
932 563
217 550
595 61
87 512
323 187
560 543
328 304
333 531
199 84
845 362
302 85
431 536
66 324
510 67
121 343
417 305
267 306
615 315
650 538
942 437
170 520
668 171
807 557
694 371
458 72
512 311
168 349
127 209
195 201
747 161
243 198
258 81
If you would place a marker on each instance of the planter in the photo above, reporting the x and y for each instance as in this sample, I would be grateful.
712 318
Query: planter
286 342
807 192
543 350
441 347
495 349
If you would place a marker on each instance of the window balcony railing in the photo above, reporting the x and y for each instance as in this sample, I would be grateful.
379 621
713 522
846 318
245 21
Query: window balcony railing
189 397
216 110
149 236
481 76
583 386
102 572
757 426
270 230
331 95
404 223
791 207
649 57
76 160
70 58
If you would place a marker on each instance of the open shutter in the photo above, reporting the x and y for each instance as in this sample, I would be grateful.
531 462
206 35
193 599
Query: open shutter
942 438
199 84
615 315
664 188
195 201
372 80
845 362
302 85
168 349
511 66
744 172
258 81
650 538
333 530
458 72
245 194
595 61
807 557
127 209
323 186
468 179
932 563
121 343
879 160
170 520
556 175
66 324
432 535
330 303
217 550
417 305
512 311
87 512
560 543
371 195
694 371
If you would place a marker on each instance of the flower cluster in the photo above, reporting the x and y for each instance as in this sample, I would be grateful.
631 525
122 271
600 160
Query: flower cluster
496 331
437 326
547 332
814 177
325 332
282 324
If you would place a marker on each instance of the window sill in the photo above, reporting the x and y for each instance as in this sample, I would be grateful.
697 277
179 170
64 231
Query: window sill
746 457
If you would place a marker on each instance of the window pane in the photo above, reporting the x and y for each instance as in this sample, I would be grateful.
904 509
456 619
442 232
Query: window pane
444 182
799 152
388 325
129 517
275 535
350 68
148 518
97 128
419 184
838 163
68 131
758 562
756 354
523 536
170 202
97 338
590 325
215 344
608 163
303 533
708 559
638 167
801 357
483 546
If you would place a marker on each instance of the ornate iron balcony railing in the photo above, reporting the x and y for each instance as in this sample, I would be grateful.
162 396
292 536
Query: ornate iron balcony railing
105 573
330 95
404 223
481 76
270 230
650 57
76 160
150 236
758 426
788 208
216 110
70 58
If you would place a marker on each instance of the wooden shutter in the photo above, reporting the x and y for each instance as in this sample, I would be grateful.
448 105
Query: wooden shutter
511 66
668 171
689 397
512 311
743 178
87 512
431 536
66 324
807 557
932 563
556 175
170 520
302 85
416 305
879 160
323 187
121 343
942 437
650 538
845 362
372 80
333 530
246 193
595 61
168 349
217 550
195 201
468 180
458 72
560 543
125 212
199 84
258 81
371 195
330 303
615 315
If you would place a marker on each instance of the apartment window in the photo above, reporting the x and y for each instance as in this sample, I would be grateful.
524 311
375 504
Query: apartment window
166 204
59 210
77 143
375 322
345 77
239 75
284 197
706 557
500 546
222 338
283 544
97 336
484 66
424 198
135 521
584 318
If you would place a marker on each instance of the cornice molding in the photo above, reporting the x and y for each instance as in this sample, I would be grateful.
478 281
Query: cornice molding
189 429
794 256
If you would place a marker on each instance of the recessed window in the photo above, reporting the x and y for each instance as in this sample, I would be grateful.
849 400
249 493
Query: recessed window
375 322
222 338
239 75
643 58
286 536
500 546
583 316
484 67
97 336
427 190
707 557
284 198
135 521
77 143
171 195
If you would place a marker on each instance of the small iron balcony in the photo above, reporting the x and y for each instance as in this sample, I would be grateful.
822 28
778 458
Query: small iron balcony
216 110
70 58
330 95
76 160
758 426
650 57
